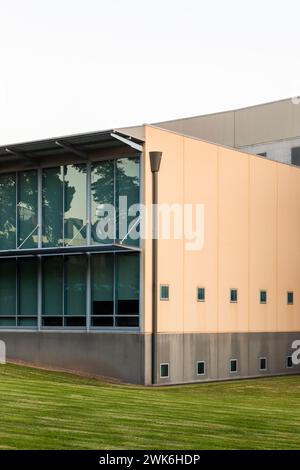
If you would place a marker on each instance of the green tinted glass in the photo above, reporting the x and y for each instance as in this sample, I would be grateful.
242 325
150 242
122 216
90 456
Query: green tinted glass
75 205
8 212
102 193
8 287
27 282
128 196
75 285
27 209
52 285
53 206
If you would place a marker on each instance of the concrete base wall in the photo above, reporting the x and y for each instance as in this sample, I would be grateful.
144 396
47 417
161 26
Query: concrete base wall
127 356
116 355
183 351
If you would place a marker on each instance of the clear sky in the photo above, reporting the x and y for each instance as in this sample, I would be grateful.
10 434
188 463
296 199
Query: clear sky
72 66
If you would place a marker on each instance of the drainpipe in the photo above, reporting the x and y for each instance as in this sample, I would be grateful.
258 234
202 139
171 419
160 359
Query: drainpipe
155 159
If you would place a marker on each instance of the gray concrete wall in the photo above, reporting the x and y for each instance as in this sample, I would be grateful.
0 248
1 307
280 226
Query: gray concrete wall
116 355
127 356
183 351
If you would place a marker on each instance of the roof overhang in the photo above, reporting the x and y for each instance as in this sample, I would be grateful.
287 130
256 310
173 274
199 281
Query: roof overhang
78 146
67 250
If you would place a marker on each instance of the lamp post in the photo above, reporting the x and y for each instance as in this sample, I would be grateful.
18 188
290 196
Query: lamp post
155 160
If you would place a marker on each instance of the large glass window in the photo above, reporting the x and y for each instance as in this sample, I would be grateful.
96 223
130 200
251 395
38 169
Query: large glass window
127 198
75 205
102 201
8 292
75 269
53 206
102 290
8 212
127 290
27 292
52 276
27 210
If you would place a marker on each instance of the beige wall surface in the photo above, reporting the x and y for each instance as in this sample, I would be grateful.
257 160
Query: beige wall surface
251 239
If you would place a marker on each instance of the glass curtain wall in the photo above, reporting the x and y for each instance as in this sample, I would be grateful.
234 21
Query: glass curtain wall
114 291
8 312
8 212
115 190
27 209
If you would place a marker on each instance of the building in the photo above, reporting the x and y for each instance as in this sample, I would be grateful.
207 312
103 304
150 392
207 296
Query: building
155 311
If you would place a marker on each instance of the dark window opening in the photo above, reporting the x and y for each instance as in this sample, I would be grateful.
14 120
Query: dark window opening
128 307
200 368
290 298
262 154
233 365
263 363
127 321
263 296
233 295
164 292
102 321
103 307
52 321
164 371
75 321
289 362
201 294
295 156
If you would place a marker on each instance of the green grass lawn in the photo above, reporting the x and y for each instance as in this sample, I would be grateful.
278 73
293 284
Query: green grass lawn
50 410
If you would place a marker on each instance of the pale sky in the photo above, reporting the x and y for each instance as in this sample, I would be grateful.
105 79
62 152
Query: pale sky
71 66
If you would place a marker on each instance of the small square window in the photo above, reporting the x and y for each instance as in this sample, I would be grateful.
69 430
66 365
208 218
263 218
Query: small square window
164 371
289 362
262 363
233 295
164 292
201 294
200 368
290 298
263 296
233 365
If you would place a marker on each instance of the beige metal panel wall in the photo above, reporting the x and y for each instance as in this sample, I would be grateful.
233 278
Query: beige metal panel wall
233 228
171 268
288 271
268 122
217 128
248 126
262 244
252 232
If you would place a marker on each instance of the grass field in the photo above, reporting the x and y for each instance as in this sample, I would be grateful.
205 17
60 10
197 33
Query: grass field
49 410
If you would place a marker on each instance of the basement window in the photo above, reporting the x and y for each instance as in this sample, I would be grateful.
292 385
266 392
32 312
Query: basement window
200 368
164 292
233 366
263 296
290 298
200 294
289 362
262 363
164 371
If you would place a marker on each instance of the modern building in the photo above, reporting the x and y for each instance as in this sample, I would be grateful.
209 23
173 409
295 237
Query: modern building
147 310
